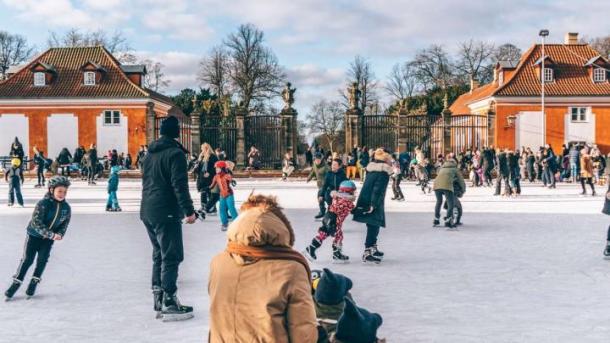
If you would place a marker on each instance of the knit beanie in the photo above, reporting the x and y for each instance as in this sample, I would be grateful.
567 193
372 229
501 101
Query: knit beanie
332 288
357 325
170 127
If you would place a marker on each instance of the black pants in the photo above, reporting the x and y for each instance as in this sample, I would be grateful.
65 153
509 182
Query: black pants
531 174
372 232
91 172
214 197
589 181
322 205
65 170
204 197
487 174
499 184
449 197
38 248
396 187
608 239
40 175
14 190
168 253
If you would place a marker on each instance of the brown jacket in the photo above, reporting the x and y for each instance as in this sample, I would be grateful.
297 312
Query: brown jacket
586 165
260 300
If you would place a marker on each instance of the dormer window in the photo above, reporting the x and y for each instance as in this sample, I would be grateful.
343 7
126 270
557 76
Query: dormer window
89 78
39 79
548 75
599 75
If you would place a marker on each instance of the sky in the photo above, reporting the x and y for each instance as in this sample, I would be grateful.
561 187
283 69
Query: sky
313 39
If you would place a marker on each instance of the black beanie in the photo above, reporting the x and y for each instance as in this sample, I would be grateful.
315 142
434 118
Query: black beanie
357 325
170 127
332 288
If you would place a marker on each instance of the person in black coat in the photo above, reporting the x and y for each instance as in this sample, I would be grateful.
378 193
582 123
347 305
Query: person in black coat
370 205
39 161
332 181
204 172
515 171
503 173
64 159
165 203
78 155
93 161
488 164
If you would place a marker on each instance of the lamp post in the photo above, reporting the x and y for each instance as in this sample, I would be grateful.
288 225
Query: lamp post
543 33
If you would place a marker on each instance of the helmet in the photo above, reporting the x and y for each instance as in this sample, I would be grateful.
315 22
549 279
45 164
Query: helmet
347 186
15 162
220 164
59 181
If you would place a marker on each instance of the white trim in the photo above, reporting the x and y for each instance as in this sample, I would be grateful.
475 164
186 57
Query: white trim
603 72
578 121
42 82
89 81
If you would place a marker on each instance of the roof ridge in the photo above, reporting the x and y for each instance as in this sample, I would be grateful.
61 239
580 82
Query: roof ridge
118 66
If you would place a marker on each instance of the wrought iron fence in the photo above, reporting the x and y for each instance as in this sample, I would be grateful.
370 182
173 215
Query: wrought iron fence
220 132
380 131
265 132
185 131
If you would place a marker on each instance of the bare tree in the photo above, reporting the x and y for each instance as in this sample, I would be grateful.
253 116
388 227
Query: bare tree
475 60
115 43
433 67
214 71
14 50
155 77
361 72
402 81
254 69
327 119
507 52
601 44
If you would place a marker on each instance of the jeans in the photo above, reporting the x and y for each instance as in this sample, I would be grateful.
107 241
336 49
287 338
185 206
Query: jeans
168 253
113 201
40 175
507 189
227 205
573 170
549 177
372 232
14 190
396 187
38 248
449 196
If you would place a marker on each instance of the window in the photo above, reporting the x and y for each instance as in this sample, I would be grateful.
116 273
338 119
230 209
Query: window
39 79
578 114
599 75
112 117
89 78
548 75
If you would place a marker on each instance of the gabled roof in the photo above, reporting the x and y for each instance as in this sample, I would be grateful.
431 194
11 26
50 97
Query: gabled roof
507 64
46 66
592 61
69 81
96 66
460 105
547 57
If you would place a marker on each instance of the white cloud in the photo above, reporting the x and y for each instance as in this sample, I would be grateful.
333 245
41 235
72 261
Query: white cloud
313 75
179 67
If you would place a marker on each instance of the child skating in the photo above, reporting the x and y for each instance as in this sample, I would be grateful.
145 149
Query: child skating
223 181
332 224
14 177
49 224
112 205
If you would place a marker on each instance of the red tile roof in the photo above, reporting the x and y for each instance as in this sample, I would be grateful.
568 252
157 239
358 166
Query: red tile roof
68 78
460 105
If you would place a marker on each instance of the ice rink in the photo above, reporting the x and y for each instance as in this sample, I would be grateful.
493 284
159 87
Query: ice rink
520 270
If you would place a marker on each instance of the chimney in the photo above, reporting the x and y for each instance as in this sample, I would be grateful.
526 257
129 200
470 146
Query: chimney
571 38
473 84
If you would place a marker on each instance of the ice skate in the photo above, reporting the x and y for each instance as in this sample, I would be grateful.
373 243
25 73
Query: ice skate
376 252
449 223
607 251
157 300
173 311
10 292
310 251
436 222
369 258
223 228
338 257
319 215
31 290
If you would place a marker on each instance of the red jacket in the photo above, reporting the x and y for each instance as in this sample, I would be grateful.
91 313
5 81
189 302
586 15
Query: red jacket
223 181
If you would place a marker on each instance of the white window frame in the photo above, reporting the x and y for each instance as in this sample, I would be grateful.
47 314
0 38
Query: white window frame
40 79
89 78
548 75
581 116
115 118
599 75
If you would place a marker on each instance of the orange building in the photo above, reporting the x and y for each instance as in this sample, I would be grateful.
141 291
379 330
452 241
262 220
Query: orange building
75 96
577 98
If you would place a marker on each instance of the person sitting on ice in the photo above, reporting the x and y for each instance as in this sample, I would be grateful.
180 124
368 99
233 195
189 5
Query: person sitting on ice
259 286
332 224
357 325
49 224
112 205
330 290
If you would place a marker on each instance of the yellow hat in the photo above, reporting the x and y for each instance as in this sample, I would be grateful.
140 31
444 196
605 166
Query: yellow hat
381 155
15 162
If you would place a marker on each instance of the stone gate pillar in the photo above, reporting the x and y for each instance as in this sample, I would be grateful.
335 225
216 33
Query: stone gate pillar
240 144
289 131
150 122
402 124
447 141
196 127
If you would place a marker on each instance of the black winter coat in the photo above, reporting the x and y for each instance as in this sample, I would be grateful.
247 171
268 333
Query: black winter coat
50 217
203 183
165 189
373 194
78 155
64 157
332 181
503 169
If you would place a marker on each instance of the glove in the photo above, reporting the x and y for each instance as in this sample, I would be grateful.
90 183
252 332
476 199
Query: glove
233 183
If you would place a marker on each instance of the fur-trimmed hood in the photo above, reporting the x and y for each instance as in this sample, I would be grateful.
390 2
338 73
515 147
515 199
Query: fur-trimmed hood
375 166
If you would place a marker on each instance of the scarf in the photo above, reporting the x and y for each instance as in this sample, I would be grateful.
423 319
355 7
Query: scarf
269 252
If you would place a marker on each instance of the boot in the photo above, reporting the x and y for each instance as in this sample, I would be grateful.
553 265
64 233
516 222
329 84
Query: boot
369 258
338 256
32 287
12 289
436 222
449 222
172 310
310 251
319 215
607 251
157 300
376 252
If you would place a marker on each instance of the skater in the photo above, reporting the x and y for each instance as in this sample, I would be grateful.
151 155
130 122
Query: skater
204 173
39 161
93 162
370 205
17 150
549 166
223 180
49 224
488 164
112 205
259 286
514 172
530 162
64 159
332 181
503 173
447 176
14 177
318 171
332 225
397 176
586 171
165 202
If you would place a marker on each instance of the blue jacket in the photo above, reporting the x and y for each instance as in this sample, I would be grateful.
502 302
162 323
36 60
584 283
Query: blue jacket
50 217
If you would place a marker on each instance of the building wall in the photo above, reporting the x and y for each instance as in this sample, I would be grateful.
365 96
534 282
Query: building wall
87 126
555 125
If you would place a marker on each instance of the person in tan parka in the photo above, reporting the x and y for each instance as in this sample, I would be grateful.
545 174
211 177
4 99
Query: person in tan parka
259 287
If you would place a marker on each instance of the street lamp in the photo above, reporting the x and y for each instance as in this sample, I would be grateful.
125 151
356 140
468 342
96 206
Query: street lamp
543 33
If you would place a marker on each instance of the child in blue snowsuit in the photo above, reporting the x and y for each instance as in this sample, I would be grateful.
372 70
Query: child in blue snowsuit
113 186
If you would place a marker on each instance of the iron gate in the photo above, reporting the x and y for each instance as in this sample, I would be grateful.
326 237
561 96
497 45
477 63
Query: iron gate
380 131
220 132
185 131
265 132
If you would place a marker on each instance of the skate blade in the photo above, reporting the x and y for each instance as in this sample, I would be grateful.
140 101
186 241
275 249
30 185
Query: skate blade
607 258
7 299
340 261
371 263
158 315
176 317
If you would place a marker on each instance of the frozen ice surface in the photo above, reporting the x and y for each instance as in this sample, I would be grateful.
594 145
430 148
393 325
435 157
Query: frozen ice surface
519 270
